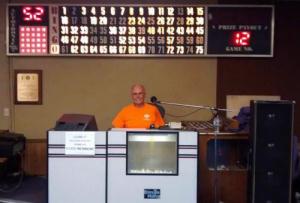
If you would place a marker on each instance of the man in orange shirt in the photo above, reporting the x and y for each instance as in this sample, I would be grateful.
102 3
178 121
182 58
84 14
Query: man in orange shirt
138 114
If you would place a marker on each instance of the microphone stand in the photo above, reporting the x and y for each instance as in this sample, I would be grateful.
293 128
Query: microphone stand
216 125
193 106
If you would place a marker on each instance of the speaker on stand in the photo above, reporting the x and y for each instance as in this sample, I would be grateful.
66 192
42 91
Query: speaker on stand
270 155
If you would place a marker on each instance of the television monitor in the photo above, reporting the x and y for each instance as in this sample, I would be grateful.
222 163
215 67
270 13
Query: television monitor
76 122
152 153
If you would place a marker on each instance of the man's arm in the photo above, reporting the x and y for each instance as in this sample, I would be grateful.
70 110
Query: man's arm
118 121
159 121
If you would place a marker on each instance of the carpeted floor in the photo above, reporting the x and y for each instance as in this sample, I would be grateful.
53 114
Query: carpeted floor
33 189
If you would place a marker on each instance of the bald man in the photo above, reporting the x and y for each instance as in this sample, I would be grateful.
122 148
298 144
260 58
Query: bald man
138 114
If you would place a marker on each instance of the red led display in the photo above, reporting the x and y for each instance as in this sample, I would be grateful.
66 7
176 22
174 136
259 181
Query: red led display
241 38
33 40
33 13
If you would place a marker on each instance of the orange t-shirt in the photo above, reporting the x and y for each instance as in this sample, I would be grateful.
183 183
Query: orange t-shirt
138 117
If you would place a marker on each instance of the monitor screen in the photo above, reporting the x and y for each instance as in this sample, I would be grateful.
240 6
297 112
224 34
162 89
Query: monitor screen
152 153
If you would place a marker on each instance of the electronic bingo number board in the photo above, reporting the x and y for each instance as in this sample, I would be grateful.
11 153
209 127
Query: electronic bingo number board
140 30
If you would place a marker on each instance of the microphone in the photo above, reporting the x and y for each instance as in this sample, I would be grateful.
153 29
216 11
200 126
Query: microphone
154 100
157 103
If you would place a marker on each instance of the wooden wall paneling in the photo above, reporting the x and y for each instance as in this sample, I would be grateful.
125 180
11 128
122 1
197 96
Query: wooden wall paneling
231 185
35 158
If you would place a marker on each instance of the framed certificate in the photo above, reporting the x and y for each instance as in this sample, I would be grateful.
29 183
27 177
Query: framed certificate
28 86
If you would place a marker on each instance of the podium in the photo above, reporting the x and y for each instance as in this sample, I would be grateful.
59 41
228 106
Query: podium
152 166
75 177
118 166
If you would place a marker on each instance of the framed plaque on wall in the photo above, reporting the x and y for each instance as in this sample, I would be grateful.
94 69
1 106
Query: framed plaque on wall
28 86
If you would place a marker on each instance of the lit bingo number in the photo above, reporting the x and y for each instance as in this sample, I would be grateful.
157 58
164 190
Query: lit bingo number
241 38
33 13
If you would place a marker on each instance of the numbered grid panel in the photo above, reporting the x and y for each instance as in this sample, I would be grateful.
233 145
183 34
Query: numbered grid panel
132 30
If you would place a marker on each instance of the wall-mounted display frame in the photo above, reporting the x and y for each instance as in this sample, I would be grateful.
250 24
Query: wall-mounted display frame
28 87
150 30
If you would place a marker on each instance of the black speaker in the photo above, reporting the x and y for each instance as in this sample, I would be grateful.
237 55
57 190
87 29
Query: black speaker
270 155
76 122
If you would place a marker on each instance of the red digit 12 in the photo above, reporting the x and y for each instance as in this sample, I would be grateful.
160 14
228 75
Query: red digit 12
241 38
